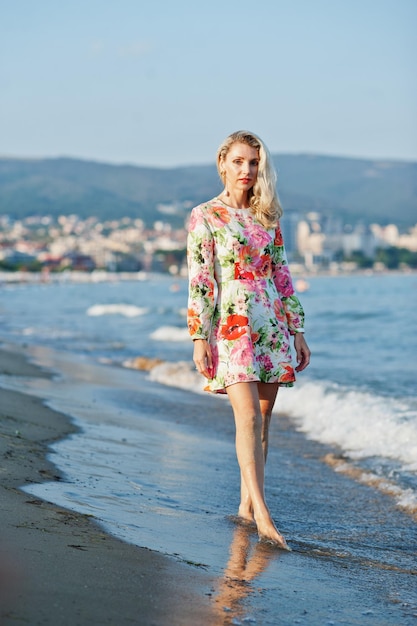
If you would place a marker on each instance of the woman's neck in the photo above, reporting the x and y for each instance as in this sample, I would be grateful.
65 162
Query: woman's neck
236 199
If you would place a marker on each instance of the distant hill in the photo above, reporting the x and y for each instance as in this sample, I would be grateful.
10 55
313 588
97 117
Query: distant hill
356 189
373 191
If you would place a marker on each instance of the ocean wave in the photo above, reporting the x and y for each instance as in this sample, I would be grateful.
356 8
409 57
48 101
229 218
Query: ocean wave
180 374
406 498
45 333
170 333
363 424
128 310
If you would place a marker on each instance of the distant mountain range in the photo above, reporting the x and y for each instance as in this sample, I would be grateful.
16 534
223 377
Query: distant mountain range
354 189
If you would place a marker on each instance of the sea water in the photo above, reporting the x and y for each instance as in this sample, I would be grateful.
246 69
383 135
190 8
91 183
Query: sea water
154 458
359 393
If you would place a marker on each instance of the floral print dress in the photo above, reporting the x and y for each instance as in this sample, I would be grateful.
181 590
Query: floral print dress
241 297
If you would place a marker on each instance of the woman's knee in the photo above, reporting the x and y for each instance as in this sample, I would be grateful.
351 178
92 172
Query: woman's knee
249 420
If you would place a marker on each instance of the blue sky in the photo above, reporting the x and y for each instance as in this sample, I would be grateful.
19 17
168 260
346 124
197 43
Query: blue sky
163 82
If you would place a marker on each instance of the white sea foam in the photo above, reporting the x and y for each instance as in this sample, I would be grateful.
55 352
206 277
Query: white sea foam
48 333
406 498
128 310
179 374
170 333
361 423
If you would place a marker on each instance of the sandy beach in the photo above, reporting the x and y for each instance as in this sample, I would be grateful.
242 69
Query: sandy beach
58 567
353 552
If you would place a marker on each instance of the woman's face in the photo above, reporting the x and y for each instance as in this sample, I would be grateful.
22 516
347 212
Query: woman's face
241 167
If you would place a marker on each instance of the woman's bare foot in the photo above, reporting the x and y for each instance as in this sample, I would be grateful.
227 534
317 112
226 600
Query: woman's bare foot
268 533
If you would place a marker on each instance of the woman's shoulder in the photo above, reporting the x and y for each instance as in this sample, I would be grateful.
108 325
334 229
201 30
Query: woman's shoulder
206 207
200 215
211 215
206 210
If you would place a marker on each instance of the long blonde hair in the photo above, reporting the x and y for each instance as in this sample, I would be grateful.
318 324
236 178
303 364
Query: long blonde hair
263 197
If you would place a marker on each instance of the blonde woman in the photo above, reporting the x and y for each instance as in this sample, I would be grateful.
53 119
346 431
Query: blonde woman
242 309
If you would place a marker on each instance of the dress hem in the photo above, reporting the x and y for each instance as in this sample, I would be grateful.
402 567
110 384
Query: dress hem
222 390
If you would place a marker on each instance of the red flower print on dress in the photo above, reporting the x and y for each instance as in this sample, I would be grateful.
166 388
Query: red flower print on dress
194 321
249 255
254 337
264 268
242 274
288 375
235 327
278 241
219 216
279 310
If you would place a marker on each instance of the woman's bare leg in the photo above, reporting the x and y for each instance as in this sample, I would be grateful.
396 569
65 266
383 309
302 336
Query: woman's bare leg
267 395
245 401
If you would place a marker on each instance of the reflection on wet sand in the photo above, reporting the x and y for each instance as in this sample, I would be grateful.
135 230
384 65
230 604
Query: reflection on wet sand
249 558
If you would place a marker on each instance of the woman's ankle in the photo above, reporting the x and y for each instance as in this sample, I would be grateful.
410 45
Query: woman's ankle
245 512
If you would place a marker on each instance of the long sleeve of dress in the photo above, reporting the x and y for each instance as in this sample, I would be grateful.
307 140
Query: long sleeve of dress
200 258
282 278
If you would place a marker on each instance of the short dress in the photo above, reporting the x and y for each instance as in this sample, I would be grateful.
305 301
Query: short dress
241 296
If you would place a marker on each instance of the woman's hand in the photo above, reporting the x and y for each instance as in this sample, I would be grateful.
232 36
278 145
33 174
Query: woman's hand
302 351
202 357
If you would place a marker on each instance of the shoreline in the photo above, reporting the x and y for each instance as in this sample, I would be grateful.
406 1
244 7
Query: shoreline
21 277
352 559
60 567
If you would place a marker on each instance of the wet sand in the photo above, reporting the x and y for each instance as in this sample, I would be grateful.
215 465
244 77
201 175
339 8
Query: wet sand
58 567
354 553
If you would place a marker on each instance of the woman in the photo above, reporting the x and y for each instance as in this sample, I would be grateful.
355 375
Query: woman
242 309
